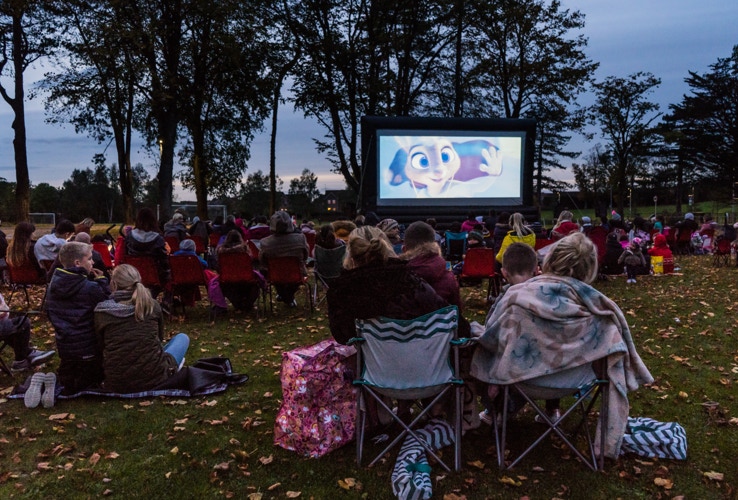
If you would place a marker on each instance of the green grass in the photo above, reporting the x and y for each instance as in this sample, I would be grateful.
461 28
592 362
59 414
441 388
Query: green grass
222 446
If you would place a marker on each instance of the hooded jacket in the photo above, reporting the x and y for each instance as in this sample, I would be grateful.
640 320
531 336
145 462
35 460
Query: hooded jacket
133 357
70 301
149 243
432 268
47 247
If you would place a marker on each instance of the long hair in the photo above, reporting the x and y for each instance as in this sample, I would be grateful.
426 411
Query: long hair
367 245
20 243
564 216
574 255
146 220
517 223
126 277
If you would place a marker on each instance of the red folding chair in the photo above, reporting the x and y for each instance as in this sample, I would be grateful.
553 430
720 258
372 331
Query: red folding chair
236 268
542 242
22 278
287 271
146 267
479 264
200 247
102 248
187 278
254 250
310 238
721 253
172 242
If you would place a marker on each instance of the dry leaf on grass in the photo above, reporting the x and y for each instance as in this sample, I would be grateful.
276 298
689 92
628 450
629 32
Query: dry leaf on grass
715 476
347 483
266 460
665 483
293 494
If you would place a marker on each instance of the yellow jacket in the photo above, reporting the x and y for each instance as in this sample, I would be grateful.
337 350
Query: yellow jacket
512 237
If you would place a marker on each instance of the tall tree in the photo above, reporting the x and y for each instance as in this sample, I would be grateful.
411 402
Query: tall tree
624 115
96 89
592 176
303 192
254 196
703 127
25 37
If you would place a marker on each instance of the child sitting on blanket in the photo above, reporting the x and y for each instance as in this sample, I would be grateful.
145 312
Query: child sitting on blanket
520 263
130 328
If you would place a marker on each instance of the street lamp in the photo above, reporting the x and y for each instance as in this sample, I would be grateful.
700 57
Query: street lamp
655 209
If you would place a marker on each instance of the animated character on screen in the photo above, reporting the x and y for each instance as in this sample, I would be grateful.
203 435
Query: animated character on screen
434 165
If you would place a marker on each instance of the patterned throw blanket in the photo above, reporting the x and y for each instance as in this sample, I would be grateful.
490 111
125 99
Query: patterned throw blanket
551 323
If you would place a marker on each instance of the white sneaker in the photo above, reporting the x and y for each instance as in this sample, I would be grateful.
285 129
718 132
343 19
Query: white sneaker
485 417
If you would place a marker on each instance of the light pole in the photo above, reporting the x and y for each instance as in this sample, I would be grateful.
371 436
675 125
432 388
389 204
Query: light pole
630 200
655 209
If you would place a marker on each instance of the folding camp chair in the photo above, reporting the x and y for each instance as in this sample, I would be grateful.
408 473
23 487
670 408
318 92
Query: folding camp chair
236 268
287 271
187 277
102 248
147 268
479 263
585 398
721 252
455 246
328 265
200 246
173 243
22 278
408 360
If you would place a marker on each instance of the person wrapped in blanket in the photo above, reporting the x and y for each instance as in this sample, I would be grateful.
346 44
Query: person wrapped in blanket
548 330
129 329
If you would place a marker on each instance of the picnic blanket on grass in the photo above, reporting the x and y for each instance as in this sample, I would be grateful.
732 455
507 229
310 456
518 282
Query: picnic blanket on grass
206 376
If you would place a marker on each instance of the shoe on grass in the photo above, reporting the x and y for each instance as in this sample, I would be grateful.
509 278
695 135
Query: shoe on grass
33 395
49 396
555 415
485 417
35 357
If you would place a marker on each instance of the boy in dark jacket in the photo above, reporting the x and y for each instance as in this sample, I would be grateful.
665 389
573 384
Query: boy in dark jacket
73 293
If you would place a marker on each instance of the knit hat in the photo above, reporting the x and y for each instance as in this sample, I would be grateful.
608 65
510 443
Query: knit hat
615 215
637 240
387 225
659 240
586 220
187 245
476 235
281 223
689 215
177 216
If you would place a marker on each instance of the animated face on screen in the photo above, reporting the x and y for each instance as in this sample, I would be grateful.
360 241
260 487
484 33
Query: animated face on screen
434 164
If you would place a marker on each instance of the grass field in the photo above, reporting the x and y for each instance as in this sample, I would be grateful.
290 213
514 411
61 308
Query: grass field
222 446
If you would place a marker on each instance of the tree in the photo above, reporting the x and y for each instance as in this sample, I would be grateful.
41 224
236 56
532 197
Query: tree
303 192
25 37
96 90
528 62
255 194
45 198
703 127
624 115
592 176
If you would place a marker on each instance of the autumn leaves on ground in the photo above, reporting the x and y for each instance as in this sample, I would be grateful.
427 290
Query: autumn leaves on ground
221 446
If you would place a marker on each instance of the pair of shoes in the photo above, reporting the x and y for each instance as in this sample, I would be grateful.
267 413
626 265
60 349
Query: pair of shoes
555 415
42 389
35 357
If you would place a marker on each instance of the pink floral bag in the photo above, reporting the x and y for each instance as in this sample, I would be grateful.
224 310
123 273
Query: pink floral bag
318 412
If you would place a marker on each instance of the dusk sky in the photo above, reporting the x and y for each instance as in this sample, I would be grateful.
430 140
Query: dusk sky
665 37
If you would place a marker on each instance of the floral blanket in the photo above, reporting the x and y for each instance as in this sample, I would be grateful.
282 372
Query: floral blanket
551 323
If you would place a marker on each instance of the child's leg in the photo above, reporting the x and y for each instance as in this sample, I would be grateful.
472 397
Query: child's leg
177 347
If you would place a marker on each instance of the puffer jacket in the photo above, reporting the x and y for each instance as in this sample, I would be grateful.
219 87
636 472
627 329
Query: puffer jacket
133 357
70 303
432 268
391 290
149 243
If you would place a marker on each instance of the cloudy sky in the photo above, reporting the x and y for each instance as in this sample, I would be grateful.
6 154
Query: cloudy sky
665 37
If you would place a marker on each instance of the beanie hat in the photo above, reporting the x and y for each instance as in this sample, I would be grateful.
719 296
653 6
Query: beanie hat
689 215
637 240
476 235
188 245
387 225
586 220
177 216
615 215
659 240
418 233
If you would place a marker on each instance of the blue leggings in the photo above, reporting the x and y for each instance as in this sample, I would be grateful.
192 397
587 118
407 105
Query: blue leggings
177 347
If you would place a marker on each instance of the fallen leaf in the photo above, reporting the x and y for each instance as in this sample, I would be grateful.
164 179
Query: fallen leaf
274 486
266 460
222 466
254 496
347 483
293 494
665 483
510 481
94 458
477 463
715 476
145 403
112 455
58 416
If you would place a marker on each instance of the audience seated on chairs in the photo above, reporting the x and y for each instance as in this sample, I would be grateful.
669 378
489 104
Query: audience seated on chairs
391 229
97 259
343 228
175 227
15 331
454 243
187 247
258 231
375 283
423 257
144 240
572 325
284 242
73 293
130 330
21 249
47 247
329 254
241 295
200 228
519 233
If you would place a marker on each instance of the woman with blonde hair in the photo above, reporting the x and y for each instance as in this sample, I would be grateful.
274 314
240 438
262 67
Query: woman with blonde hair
564 226
519 233
549 330
130 329
374 282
